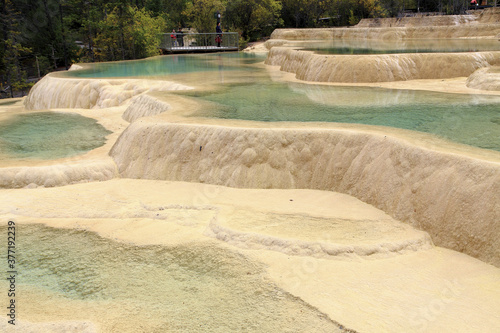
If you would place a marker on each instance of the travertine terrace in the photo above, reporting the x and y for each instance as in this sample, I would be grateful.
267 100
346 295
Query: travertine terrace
359 228
309 66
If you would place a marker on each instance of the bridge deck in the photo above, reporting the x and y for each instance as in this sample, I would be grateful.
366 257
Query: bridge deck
199 42
180 49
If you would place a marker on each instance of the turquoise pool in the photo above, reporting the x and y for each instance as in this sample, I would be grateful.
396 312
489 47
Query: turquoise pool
170 65
468 119
245 91
50 135
410 46
172 288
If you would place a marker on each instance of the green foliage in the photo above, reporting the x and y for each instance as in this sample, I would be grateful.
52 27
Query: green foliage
376 9
201 14
242 43
338 13
130 29
128 33
145 32
353 20
44 65
107 41
254 18
306 13
171 10
12 73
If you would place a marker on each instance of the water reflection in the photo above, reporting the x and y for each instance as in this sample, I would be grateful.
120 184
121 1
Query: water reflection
468 119
237 89
170 65
404 46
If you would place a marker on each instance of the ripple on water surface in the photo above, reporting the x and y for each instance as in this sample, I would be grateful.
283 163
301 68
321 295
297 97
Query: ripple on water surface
408 46
180 288
170 65
50 135
468 119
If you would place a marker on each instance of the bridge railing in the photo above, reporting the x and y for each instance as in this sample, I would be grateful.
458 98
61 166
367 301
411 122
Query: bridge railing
199 41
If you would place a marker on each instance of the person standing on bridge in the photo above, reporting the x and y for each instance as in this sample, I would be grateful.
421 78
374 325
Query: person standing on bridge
218 30
174 38
180 37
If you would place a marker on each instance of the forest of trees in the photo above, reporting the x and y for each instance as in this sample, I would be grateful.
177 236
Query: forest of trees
42 35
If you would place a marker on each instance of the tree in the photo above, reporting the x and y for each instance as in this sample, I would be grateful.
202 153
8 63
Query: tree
375 8
128 33
144 33
171 10
340 10
254 18
304 13
200 14
12 50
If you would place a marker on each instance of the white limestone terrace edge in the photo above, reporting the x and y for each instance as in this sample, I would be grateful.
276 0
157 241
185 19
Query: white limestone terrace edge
312 67
144 106
484 24
487 78
454 197
54 91
488 31
58 174
395 239
317 249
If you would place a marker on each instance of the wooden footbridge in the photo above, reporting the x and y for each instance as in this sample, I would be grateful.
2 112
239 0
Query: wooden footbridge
198 42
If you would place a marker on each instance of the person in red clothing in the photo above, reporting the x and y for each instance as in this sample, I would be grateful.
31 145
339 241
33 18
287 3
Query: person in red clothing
218 30
174 38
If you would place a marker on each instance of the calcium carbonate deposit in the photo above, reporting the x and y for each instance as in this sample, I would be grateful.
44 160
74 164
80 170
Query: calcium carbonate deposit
194 217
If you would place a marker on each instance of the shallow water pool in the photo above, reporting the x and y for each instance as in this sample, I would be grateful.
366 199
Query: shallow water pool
202 288
468 119
248 92
50 135
409 46
170 65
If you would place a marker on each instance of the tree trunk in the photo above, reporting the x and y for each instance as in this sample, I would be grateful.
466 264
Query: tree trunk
5 35
3 26
63 36
121 32
51 29
91 47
